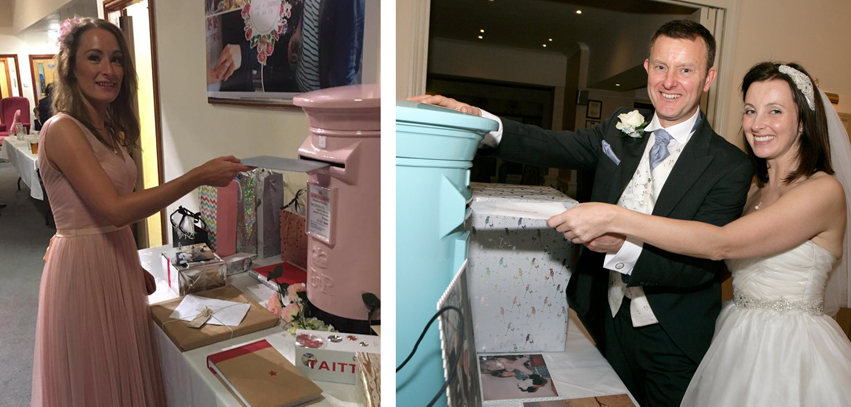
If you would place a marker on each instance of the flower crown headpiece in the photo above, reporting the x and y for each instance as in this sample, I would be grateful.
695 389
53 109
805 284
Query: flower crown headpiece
802 82
67 26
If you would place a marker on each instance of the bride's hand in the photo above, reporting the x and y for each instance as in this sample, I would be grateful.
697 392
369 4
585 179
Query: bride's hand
585 222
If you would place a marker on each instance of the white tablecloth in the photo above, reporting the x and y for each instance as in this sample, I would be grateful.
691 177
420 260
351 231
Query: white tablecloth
580 371
25 162
188 382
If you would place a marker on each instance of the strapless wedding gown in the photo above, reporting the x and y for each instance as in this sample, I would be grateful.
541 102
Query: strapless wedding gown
773 346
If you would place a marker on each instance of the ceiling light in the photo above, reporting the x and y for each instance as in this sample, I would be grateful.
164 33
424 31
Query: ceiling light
480 37
617 84
577 11
545 45
551 39
482 30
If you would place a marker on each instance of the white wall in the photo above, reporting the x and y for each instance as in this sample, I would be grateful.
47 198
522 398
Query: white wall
194 131
815 34
29 12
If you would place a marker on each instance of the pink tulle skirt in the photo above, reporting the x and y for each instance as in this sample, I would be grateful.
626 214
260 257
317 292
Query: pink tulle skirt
94 345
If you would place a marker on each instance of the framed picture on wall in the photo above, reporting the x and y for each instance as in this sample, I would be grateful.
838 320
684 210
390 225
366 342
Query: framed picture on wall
43 69
594 109
265 52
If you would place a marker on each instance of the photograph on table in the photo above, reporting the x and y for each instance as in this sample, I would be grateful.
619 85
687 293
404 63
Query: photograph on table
264 52
459 345
515 376
615 400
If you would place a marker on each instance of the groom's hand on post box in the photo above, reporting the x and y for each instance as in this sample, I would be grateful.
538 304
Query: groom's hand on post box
448 103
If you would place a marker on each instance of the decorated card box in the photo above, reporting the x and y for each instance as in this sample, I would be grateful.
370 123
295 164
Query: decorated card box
518 268
332 356
194 268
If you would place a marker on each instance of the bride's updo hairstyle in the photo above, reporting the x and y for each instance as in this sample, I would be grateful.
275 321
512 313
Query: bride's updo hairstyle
813 145
122 124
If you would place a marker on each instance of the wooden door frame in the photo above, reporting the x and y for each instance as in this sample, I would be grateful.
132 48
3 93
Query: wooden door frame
17 73
118 5
32 73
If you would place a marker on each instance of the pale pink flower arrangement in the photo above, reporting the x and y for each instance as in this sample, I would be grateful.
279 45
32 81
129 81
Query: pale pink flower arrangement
290 304
66 28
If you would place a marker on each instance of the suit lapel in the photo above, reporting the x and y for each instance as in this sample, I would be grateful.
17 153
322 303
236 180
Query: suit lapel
693 161
630 154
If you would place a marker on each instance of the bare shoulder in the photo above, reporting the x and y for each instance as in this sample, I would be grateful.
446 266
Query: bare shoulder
822 186
63 129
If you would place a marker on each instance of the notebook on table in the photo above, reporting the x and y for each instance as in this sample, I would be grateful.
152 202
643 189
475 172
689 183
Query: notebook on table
260 376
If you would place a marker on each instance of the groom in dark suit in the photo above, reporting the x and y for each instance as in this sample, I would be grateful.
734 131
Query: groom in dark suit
651 312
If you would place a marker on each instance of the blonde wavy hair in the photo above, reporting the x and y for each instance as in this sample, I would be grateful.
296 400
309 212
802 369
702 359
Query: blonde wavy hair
121 121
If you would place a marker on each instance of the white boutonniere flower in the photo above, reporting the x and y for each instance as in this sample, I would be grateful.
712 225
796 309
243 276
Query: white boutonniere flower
631 124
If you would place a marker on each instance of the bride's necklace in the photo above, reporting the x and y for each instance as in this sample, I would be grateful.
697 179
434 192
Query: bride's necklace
763 196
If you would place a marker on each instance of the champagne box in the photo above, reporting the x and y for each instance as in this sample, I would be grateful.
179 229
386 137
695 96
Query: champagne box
332 356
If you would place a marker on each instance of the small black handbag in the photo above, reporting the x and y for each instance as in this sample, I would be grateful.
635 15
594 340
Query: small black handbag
189 229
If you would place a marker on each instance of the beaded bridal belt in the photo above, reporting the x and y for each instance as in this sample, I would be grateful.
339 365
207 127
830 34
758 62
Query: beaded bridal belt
781 305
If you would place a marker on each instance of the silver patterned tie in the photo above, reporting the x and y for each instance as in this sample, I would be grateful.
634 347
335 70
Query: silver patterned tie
659 151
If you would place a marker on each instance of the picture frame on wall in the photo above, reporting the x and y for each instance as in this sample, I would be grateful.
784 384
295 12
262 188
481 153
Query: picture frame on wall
595 108
265 52
43 70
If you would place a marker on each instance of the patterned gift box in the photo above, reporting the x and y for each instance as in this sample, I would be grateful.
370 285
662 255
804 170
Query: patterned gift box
518 271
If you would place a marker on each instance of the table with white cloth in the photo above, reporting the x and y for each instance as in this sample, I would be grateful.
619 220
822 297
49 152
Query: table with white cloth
578 372
19 154
187 380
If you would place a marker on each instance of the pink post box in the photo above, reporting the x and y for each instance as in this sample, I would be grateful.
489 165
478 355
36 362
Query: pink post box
343 204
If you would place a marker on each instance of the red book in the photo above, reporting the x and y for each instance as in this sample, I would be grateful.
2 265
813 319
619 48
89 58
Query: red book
259 376
292 274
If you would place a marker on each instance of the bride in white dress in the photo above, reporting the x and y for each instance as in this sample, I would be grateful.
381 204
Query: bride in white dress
773 344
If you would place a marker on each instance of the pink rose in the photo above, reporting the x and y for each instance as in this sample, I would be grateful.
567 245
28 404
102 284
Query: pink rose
293 290
245 10
270 48
248 34
289 312
261 58
274 304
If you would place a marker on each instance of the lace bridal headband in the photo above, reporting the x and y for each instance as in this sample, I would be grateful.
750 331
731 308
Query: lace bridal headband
802 82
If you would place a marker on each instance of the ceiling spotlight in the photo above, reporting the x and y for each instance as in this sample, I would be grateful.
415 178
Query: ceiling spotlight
551 39
482 30
545 45
480 37
617 84
577 11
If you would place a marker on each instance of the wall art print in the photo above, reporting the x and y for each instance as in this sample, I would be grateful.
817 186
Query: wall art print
268 51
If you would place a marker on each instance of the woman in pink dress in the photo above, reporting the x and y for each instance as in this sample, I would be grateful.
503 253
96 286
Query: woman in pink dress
94 346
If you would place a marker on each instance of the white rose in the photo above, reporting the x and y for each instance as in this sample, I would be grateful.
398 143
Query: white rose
632 119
